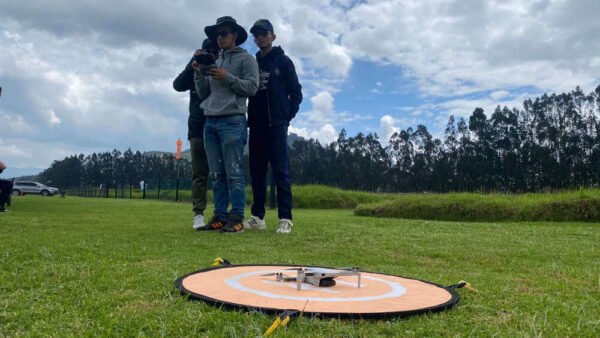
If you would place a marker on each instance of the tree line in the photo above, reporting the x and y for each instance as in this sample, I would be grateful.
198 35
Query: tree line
553 142
120 170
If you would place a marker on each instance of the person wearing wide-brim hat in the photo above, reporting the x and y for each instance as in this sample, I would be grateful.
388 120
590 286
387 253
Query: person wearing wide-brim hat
212 31
225 87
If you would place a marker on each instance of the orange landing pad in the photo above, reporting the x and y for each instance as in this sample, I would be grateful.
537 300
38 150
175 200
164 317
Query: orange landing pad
379 295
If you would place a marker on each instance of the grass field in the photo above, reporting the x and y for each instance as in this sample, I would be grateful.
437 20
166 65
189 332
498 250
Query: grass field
106 267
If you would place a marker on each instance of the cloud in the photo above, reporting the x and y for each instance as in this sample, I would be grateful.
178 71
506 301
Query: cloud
322 108
54 120
459 47
387 127
90 75
499 94
99 74
378 89
325 134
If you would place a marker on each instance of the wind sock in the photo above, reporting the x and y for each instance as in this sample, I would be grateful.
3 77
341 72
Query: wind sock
178 153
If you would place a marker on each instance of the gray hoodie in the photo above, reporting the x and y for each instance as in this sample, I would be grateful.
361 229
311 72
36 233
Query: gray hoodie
228 97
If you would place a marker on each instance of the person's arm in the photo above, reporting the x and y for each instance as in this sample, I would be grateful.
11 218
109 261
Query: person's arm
185 80
294 89
2 166
201 82
247 83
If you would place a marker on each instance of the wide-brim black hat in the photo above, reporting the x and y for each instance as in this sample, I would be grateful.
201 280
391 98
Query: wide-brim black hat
211 31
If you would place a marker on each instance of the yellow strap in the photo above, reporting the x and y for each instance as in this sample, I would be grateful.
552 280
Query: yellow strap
468 286
218 261
273 327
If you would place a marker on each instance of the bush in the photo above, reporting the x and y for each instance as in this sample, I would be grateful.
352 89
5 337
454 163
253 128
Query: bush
581 205
323 197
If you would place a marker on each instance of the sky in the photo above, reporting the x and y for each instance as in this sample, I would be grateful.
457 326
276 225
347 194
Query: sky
91 76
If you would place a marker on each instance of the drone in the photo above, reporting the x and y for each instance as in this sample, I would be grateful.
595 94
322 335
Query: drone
321 277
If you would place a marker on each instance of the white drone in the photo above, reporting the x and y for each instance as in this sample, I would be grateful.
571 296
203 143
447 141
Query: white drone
321 277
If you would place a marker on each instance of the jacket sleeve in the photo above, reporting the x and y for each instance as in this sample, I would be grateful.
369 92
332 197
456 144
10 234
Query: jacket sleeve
293 87
202 85
247 83
185 80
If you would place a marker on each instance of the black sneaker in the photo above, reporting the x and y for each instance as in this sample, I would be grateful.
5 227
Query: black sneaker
3 209
235 224
214 224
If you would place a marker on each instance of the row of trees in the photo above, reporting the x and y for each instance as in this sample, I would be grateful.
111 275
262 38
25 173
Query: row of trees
552 143
117 169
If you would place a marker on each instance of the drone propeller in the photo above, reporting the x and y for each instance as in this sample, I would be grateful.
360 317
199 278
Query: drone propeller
281 277
354 268
277 274
307 272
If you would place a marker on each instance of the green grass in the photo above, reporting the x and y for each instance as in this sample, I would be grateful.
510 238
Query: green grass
578 205
106 267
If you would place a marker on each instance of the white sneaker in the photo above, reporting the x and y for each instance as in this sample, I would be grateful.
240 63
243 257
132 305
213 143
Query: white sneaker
198 221
255 223
285 226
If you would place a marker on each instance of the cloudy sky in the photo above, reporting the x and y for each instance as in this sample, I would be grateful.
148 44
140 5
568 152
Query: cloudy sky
85 76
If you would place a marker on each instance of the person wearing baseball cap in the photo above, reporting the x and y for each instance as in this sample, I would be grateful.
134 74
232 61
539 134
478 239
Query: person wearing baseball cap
269 114
185 82
224 88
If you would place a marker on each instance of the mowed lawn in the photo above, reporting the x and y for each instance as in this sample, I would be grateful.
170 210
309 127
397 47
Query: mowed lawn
106 267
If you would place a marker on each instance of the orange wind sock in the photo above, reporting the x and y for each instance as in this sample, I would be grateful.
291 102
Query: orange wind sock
178 153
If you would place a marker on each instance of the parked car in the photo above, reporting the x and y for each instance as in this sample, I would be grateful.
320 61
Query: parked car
24 187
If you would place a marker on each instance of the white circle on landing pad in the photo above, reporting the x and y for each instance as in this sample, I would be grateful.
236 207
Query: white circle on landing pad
380 295
397 290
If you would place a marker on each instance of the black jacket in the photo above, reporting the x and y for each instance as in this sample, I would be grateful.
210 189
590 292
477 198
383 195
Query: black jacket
283 94
182 83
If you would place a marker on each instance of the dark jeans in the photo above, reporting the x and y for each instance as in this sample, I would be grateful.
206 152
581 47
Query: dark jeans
5 191
269 145
199 175
224 141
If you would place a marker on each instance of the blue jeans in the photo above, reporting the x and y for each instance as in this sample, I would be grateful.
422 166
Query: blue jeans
224 141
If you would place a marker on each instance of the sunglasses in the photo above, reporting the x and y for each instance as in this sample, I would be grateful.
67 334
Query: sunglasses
224 33
260 33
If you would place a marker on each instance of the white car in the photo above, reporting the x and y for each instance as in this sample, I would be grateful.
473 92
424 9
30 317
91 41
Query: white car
25 187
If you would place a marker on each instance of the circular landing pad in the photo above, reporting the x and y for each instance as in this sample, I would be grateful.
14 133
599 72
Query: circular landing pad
379 295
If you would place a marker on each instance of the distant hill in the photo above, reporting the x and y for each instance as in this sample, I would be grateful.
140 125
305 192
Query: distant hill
21 174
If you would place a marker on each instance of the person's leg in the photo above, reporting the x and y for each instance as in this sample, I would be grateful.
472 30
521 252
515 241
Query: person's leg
278 156
214 155
258 169
5 191
233 140
199 175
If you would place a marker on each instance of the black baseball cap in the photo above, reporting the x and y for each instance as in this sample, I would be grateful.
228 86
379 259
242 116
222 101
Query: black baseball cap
209 44
262 24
